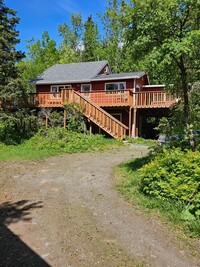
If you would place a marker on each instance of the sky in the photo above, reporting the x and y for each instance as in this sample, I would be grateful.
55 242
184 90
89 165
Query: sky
37 16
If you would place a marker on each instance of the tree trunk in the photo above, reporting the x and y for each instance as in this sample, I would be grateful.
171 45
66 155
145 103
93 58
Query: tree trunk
186 105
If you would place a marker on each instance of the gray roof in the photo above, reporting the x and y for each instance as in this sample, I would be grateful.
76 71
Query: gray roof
80 73
116 76
73 72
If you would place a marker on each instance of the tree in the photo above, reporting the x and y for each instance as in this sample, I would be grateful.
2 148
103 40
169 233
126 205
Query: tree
41 54
91 42
9 56
166 34
71 46
113 39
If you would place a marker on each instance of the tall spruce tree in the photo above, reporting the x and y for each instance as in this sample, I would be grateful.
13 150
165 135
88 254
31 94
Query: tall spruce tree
91 41
14 126
9 56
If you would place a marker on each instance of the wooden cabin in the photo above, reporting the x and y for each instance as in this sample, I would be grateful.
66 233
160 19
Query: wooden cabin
118 103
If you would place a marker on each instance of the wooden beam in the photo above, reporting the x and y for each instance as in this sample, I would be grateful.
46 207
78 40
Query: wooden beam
134 122
90 127
46 122
65 119
130 109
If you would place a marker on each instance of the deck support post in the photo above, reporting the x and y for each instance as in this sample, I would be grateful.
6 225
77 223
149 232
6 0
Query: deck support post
135 129
130 117
46 122
90 127
65 119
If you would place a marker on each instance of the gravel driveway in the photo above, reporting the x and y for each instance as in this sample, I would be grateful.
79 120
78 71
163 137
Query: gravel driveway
64 211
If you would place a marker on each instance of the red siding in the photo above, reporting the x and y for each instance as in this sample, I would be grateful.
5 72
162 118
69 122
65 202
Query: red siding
43 88
152 89
100 85
103 70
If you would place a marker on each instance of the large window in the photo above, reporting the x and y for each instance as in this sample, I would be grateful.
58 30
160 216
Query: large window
85 87
115 86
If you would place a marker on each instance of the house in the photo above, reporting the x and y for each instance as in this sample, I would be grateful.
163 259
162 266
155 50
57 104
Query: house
118 103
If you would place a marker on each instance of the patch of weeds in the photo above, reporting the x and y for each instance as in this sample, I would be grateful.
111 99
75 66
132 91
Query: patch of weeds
57 141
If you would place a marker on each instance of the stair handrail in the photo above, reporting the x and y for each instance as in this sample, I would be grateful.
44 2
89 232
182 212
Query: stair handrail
102 110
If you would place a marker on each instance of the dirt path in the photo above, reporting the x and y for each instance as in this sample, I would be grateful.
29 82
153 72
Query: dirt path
64 211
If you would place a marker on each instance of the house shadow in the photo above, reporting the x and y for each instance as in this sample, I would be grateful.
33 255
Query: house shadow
13 251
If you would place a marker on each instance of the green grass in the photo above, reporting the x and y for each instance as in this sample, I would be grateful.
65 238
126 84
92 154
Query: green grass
128 178
54 142
141 141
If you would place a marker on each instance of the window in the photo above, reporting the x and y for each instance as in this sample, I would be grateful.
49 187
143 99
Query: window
115 86
58 88
117 116
85 87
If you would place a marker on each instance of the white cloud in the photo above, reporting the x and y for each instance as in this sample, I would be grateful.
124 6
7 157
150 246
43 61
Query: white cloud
68 6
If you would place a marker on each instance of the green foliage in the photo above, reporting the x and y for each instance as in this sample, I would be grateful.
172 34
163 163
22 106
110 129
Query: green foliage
75 118
164 36
17 126
56 141
10 87
194 99
90 40
182 214
70 49
113 37
174 175
41 54
9 39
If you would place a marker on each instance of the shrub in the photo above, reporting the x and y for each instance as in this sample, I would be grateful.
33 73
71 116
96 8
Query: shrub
175 175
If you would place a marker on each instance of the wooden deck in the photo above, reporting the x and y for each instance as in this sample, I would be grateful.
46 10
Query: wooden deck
93 102
120 98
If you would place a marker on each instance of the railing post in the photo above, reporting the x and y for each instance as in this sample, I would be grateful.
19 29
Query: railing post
62 97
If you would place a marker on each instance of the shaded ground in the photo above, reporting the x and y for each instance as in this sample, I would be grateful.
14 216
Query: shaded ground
64 211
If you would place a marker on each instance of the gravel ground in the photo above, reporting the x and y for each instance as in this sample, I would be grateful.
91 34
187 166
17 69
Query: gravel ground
65 211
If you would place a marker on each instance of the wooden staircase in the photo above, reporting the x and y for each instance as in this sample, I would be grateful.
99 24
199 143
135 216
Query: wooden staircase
97 115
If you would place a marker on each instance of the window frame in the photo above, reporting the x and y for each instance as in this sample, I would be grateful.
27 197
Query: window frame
117 114
86 84
118 83
65 86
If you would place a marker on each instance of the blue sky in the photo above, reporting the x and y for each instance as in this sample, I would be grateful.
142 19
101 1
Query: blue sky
40 15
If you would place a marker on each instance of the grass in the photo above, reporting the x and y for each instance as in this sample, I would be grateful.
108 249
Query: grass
128 178
54 142
141 141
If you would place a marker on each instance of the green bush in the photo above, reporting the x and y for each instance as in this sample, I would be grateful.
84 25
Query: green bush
55 141
174 175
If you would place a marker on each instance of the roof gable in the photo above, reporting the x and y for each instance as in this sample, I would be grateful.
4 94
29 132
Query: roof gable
73 72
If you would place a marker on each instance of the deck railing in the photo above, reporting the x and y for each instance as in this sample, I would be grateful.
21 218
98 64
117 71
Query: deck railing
107 99
110 98
128 98
153 99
